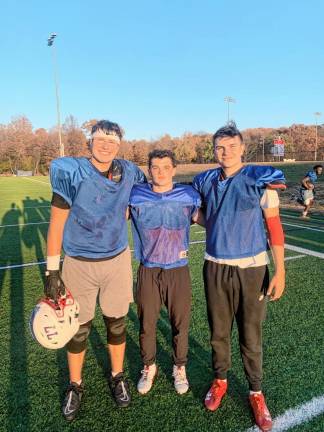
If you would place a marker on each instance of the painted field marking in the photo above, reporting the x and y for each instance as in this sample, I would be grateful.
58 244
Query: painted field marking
14 201
26 207
298 217
288 224
296 416
38 181
303 240
303 227
294 257
304 251
31 264
29 223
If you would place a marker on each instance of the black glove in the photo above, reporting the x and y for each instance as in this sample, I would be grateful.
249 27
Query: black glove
54 286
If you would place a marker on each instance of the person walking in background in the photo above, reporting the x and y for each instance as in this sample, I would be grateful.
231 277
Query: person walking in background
307 189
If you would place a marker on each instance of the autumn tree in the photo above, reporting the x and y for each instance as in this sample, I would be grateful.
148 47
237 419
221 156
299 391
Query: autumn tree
75 141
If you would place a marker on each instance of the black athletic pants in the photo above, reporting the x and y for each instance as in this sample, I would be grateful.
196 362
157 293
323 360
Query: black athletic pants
172 287
232 292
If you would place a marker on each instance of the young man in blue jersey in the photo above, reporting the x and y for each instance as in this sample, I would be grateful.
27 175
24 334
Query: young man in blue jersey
88 218
236 199
307 190
161 215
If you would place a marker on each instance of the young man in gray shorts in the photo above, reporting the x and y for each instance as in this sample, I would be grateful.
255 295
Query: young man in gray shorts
88 217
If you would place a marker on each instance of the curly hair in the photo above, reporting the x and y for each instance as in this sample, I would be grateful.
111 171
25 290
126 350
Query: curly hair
160 154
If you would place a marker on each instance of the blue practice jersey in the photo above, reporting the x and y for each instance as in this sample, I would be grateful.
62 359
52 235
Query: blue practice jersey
234 220
161 224
96 226
312 176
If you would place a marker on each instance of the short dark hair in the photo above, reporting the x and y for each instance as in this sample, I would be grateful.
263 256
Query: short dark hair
228 131
160 154
108 126
317 166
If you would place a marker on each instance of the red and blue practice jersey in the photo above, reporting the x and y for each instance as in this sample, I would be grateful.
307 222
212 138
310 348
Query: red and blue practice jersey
161 224
96 226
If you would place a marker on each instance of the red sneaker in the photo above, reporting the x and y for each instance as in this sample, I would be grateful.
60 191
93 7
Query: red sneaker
215 394
260 411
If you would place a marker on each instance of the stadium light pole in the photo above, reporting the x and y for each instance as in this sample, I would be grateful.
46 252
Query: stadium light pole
317 115
262 143
50 43
229 100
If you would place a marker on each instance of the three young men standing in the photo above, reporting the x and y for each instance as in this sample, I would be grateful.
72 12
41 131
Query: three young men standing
89 202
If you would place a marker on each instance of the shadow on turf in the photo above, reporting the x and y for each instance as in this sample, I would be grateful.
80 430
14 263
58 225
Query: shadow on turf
17 392
11 240
35 210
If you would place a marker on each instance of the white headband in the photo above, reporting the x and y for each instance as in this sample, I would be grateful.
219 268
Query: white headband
99 133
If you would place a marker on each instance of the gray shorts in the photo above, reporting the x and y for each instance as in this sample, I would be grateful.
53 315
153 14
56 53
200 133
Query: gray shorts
307 196
110 280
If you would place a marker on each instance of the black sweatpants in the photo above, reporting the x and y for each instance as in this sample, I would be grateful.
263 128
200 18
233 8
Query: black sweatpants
172 287
232 292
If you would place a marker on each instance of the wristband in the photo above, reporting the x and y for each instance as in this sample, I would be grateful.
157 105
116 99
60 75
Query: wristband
53 262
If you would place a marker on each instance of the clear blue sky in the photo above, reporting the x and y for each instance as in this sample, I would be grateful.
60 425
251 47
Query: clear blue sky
164 66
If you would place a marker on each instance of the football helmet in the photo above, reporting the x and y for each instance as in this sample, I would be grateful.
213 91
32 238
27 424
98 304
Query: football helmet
52 324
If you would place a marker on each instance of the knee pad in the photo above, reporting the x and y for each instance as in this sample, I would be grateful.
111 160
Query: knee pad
116 330
79 341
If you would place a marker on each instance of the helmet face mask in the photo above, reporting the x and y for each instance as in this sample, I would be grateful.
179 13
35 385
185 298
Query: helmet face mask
52 324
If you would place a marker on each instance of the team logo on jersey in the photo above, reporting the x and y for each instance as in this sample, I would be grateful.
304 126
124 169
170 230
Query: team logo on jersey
183 254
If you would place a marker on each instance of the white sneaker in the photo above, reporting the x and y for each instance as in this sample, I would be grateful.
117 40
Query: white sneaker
145 383
181 383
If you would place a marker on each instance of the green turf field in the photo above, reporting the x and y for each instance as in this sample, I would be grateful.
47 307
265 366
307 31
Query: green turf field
33 379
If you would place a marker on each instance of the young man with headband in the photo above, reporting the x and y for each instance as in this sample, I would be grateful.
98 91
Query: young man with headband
235 199
88 217
161 215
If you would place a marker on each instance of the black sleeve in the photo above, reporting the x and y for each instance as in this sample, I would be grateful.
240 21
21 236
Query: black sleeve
58 201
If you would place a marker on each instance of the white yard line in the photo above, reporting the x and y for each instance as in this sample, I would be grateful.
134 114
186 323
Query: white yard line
288 224
27 207
299 218
303 227
29 223
31 264
296 416
304 251
294 257
38 181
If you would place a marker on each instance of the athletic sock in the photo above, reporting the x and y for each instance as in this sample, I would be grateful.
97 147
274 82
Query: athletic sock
77 382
